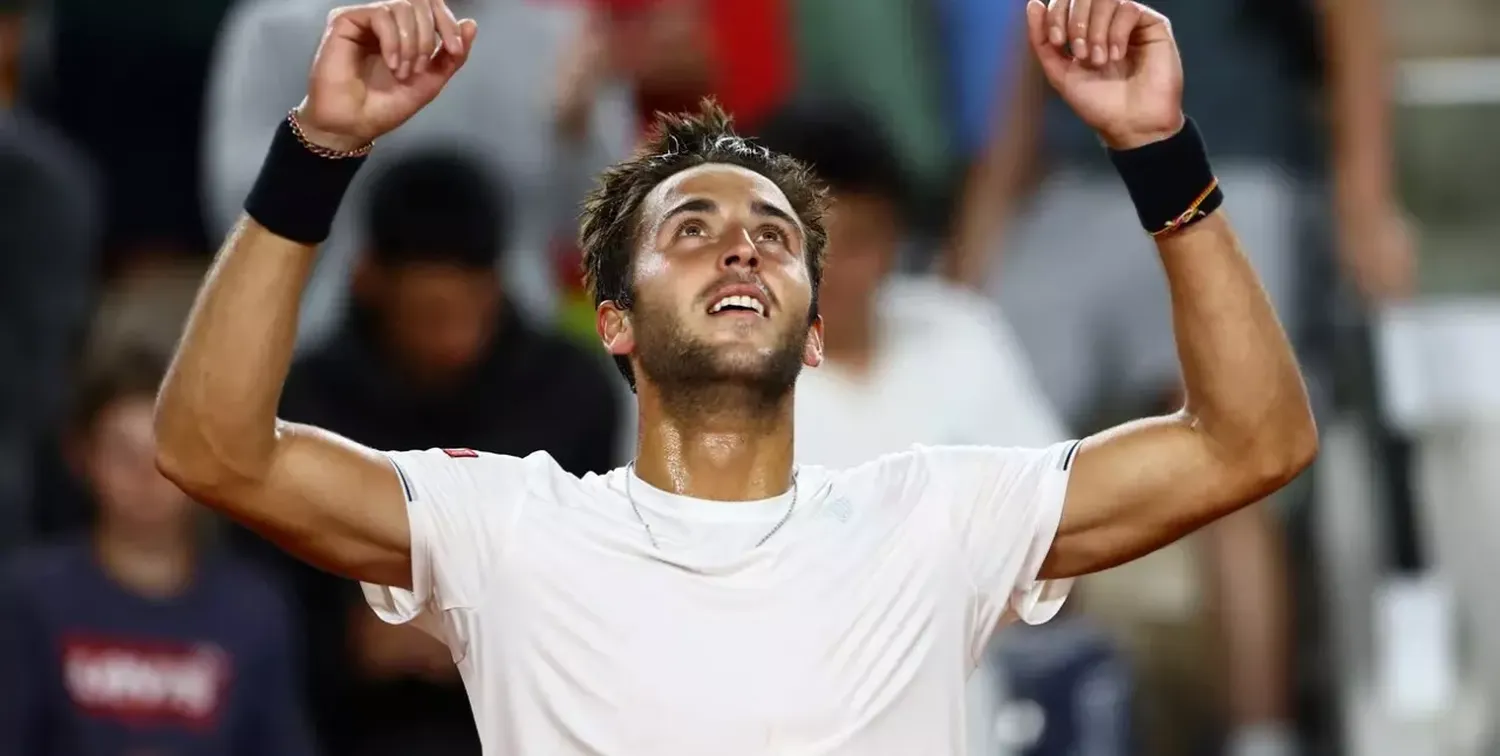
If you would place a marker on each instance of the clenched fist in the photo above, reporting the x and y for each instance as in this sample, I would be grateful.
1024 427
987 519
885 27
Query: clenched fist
1114 62
377 66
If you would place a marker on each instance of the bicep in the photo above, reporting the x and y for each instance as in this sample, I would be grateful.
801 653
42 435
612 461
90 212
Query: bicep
1140 486
333 503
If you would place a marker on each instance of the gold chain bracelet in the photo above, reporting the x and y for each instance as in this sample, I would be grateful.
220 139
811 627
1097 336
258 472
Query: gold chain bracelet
320 150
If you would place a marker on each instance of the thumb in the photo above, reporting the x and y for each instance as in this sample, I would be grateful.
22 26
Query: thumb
1051 58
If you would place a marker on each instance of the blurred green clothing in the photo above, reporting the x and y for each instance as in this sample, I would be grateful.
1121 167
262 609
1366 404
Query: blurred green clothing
881 54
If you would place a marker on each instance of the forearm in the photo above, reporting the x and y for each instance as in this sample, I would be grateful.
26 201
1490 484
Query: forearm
1359 92
1244 390
216 414
1251 602
996 180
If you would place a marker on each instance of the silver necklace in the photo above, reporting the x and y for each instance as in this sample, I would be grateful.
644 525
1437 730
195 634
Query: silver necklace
650 536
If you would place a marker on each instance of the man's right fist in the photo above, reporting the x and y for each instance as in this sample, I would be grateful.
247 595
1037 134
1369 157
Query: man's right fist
377 66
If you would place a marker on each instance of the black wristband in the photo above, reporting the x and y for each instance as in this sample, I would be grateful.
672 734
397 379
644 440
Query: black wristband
1170 182
298 191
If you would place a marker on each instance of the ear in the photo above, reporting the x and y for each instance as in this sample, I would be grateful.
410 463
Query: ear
812 350
615 331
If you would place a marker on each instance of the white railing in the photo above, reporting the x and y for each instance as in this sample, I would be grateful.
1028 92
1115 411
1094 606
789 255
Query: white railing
1448 82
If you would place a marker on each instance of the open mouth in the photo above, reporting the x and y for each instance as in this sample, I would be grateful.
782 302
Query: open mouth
738 303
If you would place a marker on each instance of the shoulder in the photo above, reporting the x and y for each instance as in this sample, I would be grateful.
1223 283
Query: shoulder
247 582
477 475
928 468
256 594
38 571
250 599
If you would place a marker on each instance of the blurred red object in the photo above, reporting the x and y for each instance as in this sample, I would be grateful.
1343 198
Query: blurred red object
740 51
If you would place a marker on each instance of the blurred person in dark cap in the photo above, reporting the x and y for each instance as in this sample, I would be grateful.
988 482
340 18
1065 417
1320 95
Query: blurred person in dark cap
523 107
50 227
889 339
137 636
1295 96
432 353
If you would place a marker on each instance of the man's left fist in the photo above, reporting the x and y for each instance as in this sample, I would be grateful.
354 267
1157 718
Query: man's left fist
1114 62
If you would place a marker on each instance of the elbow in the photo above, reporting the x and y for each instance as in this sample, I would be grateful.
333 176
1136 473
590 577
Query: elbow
185 457
1284 452
187 469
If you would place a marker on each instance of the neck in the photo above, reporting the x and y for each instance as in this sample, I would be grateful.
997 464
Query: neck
720 449
145 561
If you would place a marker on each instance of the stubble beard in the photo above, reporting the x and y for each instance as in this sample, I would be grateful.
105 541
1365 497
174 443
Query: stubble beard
695 378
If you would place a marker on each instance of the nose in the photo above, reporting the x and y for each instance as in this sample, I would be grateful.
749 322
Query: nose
740 252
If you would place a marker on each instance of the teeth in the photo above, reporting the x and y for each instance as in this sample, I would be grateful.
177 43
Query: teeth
750 303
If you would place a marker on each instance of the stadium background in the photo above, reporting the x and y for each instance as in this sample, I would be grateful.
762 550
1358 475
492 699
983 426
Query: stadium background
130 131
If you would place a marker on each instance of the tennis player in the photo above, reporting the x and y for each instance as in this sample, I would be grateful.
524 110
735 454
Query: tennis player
713 597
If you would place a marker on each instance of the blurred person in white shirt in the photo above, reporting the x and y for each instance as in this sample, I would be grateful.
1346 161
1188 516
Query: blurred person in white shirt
907 358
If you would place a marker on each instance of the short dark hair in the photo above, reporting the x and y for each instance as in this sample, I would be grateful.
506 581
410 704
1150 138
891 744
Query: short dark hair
435 207
839 140
127 371
610 223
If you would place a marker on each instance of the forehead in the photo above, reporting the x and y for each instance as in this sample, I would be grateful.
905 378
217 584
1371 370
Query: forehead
727 186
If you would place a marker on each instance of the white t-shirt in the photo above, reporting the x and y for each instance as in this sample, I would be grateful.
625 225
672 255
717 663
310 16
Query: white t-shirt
946 368
851 631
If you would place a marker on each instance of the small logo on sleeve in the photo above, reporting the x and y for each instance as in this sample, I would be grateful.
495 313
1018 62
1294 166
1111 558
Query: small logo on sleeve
461 453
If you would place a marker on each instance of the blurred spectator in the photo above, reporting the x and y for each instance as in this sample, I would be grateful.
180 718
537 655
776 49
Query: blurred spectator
1072 691
675 52
506 106
884 55
912 359
49 232
126 81
137 637
979 38
146 309
432 353
1080 283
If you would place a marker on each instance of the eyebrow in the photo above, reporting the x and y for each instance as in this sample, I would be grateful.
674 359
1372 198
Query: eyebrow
703 205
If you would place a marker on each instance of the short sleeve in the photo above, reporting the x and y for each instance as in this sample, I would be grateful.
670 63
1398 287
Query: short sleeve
1004 505
462 507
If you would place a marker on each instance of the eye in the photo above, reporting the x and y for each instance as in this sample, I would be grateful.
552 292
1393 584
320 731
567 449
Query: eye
771 234
691 228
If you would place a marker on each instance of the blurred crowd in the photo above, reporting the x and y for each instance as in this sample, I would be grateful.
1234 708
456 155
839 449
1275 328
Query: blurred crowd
989 284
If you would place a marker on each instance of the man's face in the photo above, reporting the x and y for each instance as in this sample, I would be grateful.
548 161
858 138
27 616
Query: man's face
863 234
437 320
721 286
119 457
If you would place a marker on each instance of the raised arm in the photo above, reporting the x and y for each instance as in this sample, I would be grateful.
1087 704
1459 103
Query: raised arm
1246 429
322 498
